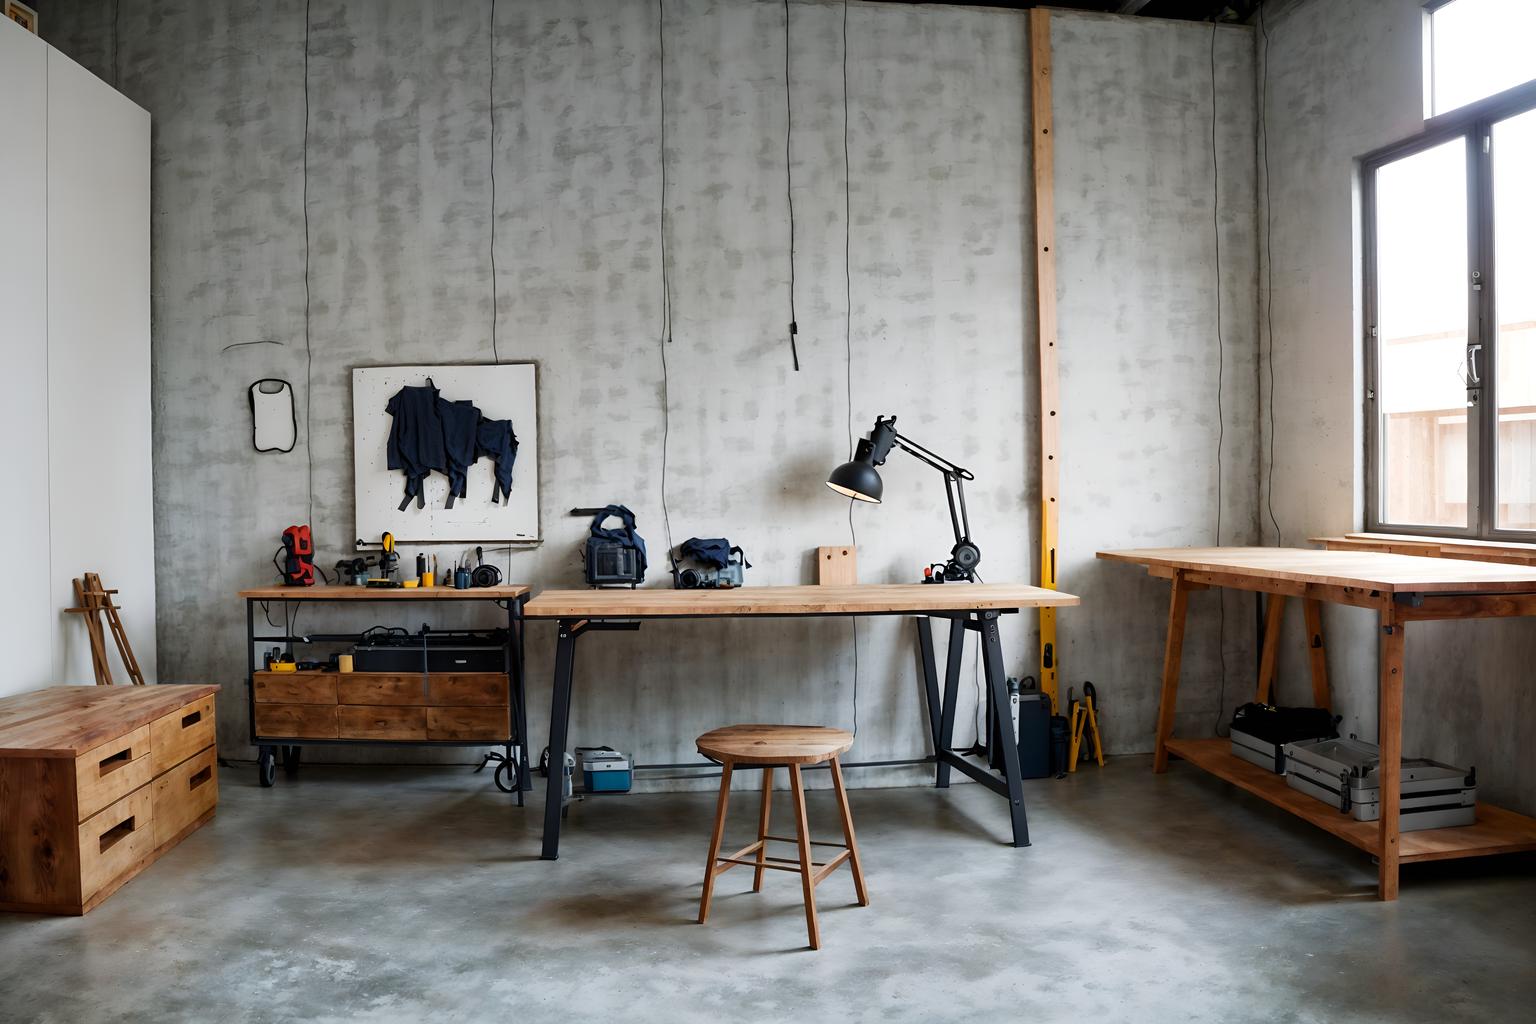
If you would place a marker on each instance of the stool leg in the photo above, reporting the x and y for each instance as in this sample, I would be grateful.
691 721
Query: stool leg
714 841
803 837
853 845
762 827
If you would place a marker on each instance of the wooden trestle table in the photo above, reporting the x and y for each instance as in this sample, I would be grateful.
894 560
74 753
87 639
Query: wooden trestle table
969 607
1400 589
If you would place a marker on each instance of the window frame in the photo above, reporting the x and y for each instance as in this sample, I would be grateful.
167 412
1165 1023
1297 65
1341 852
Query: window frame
1474 124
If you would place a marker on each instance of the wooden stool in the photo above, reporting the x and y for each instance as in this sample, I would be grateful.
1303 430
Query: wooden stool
769 746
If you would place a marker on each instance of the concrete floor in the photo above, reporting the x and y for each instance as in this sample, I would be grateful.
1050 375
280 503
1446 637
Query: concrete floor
370 894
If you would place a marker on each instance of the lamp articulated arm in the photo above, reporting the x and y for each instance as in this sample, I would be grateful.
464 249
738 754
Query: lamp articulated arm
965 555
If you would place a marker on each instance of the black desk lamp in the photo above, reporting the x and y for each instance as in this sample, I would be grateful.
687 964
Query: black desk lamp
859 479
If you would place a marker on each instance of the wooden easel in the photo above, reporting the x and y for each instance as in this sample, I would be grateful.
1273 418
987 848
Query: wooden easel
92 600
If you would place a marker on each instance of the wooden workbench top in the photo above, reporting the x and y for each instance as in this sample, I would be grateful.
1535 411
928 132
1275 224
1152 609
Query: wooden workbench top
863 599
66 721
333 593
1368 570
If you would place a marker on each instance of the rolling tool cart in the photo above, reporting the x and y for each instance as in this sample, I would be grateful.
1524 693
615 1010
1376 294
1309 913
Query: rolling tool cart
422 695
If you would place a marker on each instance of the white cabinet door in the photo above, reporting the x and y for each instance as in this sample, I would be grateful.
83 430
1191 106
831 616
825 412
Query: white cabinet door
24 349
99 437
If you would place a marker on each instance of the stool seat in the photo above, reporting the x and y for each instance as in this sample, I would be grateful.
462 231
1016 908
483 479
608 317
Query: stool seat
770 747
774 744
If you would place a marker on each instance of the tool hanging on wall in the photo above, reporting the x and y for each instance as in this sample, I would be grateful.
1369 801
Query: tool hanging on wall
94 601
1084 718
298 566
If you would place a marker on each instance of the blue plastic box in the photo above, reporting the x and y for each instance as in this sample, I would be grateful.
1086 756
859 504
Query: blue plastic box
604 770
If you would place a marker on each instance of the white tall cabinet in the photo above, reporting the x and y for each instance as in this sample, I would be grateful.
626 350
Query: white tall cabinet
74 333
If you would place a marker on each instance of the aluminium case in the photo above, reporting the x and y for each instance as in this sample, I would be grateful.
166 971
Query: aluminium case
1346 774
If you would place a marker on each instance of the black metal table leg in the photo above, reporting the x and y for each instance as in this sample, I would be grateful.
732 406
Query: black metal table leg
514 656
946 740
930 676
559 725
997 687
524 774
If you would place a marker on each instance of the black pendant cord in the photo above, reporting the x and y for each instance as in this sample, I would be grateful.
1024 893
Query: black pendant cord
853 535
789 192
666 278
309 360
117 75
1269 277
1221 425
495 296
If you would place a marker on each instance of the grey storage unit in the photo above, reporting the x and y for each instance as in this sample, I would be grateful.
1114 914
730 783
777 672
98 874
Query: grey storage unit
1344 773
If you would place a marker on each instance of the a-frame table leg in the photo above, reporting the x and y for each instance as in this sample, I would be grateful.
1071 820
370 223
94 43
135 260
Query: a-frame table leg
1274 616
1390 738
1317 652
1173 657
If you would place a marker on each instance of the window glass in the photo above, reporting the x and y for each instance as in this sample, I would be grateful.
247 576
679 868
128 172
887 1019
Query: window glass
1513 150
1478 48
1421 327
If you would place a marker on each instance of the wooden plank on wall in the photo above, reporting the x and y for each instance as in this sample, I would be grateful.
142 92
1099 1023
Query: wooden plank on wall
1044 155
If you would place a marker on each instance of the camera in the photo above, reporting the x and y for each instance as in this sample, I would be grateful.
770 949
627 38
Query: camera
710 579
712 564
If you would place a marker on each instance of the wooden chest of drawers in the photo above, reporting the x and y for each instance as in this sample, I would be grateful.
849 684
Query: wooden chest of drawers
96 782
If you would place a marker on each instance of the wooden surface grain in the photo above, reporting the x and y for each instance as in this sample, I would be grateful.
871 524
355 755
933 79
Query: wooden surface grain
774 744
334 593
1368 570
1433 547
863 599
1496 830
67 721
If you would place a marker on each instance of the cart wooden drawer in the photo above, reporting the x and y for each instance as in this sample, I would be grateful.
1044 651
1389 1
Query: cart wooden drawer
357 722
468 689
296 721
111 771
487 724
376 689
295 687
184 794
114 841
181 734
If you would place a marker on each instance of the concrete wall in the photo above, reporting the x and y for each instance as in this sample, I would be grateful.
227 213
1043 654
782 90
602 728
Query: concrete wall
1345 79
942 326
1136 235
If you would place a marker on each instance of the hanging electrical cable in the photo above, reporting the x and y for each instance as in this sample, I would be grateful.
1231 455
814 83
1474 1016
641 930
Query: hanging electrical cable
1269 278
495 296
853 535
1221 424
789 192
666 278
309 358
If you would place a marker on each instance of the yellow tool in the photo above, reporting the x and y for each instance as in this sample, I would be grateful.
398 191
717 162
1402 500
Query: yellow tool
388 560
1083 718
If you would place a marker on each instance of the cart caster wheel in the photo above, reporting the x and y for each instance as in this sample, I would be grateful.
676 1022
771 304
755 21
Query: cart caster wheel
506 777
291 760
266 767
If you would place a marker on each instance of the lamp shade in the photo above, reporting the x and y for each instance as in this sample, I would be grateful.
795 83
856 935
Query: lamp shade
857 479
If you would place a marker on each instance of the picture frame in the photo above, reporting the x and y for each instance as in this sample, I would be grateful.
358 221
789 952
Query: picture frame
22 15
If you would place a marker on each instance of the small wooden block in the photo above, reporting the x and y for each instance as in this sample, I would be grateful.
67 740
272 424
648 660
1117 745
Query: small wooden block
837 566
